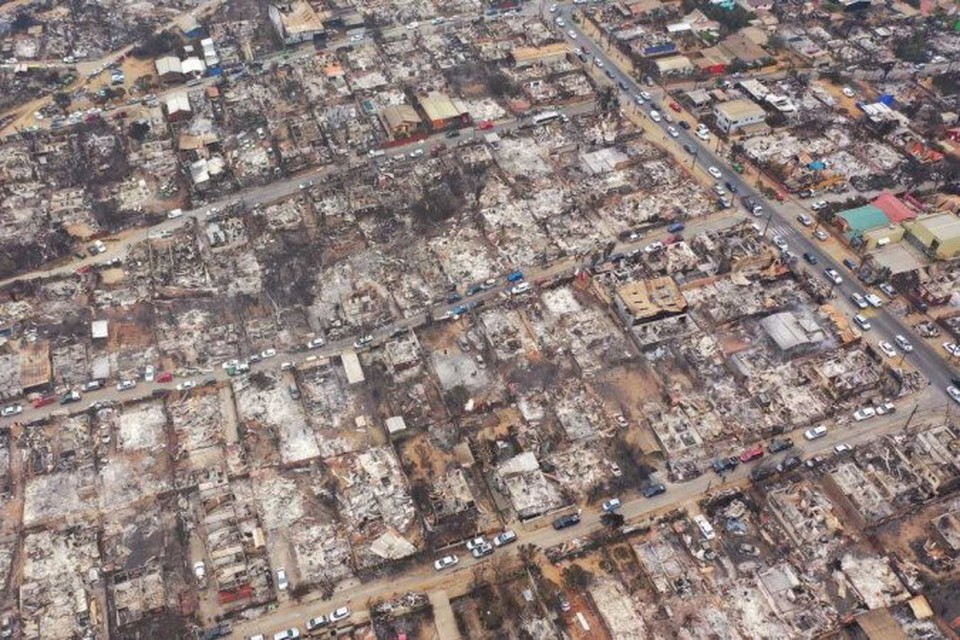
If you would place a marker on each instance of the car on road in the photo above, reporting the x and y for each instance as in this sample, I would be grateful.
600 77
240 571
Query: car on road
70 397
731 187
864 413
954 393
174 214
833 276
149 373
523 287
849 263
655 116
762 473
903 343
11 410
305 185
814 462
780 242
646 95
847 91
778 445
340 614
560 21
316 343
446 562
572 34
638 99
724 464
952 348
268 353
673 132
703 134
553 8
885 408
416 153
288 366
689 148
317 623
819 204
718 189
483 550
862 322
282 583
809 257
804 219
287 634
859 300
43 401
92 385
362 341
887 349
504 538
888 289
874 300
598 62
815 432
676 227
684 124
515 276
751 454
485 125
611 505
186 385
714 172
821 235
230 364
654 489
123 385
842 448
566 521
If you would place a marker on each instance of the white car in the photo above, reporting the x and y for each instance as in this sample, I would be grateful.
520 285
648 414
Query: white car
174 214
230 364
819 204
887 349
833 276
714 172
862 322
553 8
149 373
287 634
703 134
505 537
842 448
560 22
954 393
862 414
288 366
903 343
445 562
655 116
952 348
317 623
847 91
186 385
638 99
476 542
316 343
572 34
611 505
673 132
11 410
523 287
268 353
821 235
123 385
859 300
814 433
874 300
780 242
340 614
646 95
362 342
282 583
416 153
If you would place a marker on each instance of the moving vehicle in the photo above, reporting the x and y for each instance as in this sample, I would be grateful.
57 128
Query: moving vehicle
862 322
566 521
673 132
780 242
504 538
446 562
815 432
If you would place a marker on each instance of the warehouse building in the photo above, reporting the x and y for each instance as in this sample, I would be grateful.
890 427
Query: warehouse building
738 114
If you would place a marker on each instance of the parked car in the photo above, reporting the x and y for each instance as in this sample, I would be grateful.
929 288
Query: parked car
859 300
842 448
815 432
864 413
165 376
888 289
862 322
654 489
70 397
722 465
287 634
149 373
713 171
186 385
611 505
676 227
833 276
282 583
804 219
885 408
563 603
268 353
777 445
873 299
11 410
887 349
814 462
317 623
789 463
820 234
751 454
483 550
684 124
566 521
475 542
903 343
810 258
340 614
762 473
504 538
123 385
316 343
849 263
446 562
362 342
93 385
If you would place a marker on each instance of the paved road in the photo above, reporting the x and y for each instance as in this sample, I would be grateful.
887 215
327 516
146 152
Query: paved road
783 223
456 581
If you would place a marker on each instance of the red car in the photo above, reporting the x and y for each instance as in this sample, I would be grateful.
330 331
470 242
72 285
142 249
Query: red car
485 125
44 401
166 376
751 454
675 107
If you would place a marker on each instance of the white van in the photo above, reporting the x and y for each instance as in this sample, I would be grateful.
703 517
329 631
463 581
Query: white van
816 432
706 529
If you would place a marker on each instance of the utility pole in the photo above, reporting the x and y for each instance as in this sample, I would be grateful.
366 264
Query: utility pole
910 417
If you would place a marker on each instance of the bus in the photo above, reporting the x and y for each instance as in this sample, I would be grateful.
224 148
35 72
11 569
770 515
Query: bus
545 117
